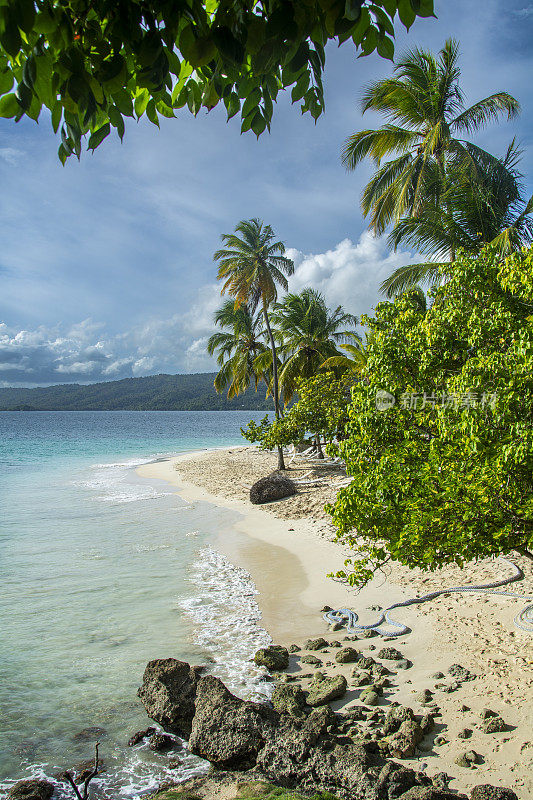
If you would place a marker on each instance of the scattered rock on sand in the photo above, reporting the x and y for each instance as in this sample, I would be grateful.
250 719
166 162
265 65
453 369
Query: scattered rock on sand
34 789
390 653
168 692
486 713
403 743
487 792
293 648
315 644
403 663
272 487
361 678
313 660
369 634
324 688
467 760
427 723
461 673
369 697
466 733
494 725
366 662
275 657
424 697
347 655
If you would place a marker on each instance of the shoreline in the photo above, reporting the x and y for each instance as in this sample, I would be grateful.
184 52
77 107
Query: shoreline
287 554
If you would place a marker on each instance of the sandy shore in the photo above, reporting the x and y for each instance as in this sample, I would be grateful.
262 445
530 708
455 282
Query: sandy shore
287 548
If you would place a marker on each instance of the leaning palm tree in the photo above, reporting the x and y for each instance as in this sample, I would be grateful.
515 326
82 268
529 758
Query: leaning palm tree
252 265
351 362
425 114
424 109
237 347
308 333
490 210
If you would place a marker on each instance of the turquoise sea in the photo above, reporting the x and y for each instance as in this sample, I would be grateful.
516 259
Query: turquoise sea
102 571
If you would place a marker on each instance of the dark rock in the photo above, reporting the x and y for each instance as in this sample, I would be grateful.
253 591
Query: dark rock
437 676
139 736
425 696
487 792
33 789
431 793
274 658
441 780
315 644
346 655
335 644
369 697
403 663
272 487
494 725
160 742
394 718
427 723
467 759
309 659
289 699
89 734
80 772
466 733
366 662
323 689
486 713
403 743
227 731
361 678
325 609
368 634
461 673
380 670
390 653
294 648
168 692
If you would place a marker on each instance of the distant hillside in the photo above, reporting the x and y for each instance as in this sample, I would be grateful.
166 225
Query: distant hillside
155 393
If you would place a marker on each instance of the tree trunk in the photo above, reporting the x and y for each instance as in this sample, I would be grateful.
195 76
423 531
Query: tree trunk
319 446
281 460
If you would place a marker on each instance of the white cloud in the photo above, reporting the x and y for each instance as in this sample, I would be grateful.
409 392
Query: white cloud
11 155
349 274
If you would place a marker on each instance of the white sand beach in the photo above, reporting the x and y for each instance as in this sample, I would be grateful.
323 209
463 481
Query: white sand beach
288 550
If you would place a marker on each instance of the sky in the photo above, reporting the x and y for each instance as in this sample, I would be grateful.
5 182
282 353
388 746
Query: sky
106 265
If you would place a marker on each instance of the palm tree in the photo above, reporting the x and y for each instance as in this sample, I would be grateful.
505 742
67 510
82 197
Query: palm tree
342 364
237 348
308 333
474 213
424 110
252 266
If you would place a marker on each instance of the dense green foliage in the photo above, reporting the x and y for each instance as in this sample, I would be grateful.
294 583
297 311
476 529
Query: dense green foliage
321 410
95 64
439 191
445 474
244 790
154 393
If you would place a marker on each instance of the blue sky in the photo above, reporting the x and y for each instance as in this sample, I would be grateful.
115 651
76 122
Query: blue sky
106 265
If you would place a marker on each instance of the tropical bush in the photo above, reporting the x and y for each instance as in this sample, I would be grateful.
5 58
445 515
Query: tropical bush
440 434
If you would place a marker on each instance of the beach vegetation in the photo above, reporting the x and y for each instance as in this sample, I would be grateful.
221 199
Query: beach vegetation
439 442
237 346
437 189
91 67
252 266
307 333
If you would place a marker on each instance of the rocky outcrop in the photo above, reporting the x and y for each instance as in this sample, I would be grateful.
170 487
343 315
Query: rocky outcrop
274 658
289 699
347 655
35 789
487 792
272 487
324 688
168 693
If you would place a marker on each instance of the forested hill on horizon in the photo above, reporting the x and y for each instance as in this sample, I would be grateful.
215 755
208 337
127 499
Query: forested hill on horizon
154 393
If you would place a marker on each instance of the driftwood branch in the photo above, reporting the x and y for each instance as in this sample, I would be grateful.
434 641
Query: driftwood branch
87 780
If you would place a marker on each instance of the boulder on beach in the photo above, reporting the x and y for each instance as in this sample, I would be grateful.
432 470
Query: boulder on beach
324 688
315 644
34 789
347 655
488 792
272 487
274 658
289 699
167 693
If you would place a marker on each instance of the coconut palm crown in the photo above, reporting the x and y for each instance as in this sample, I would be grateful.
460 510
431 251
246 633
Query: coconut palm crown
237 347
425 113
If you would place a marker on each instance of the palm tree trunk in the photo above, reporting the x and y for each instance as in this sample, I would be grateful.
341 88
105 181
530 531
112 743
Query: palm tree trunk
281 460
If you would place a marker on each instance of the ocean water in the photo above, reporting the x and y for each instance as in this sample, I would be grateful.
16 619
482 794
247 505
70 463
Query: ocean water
102 571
